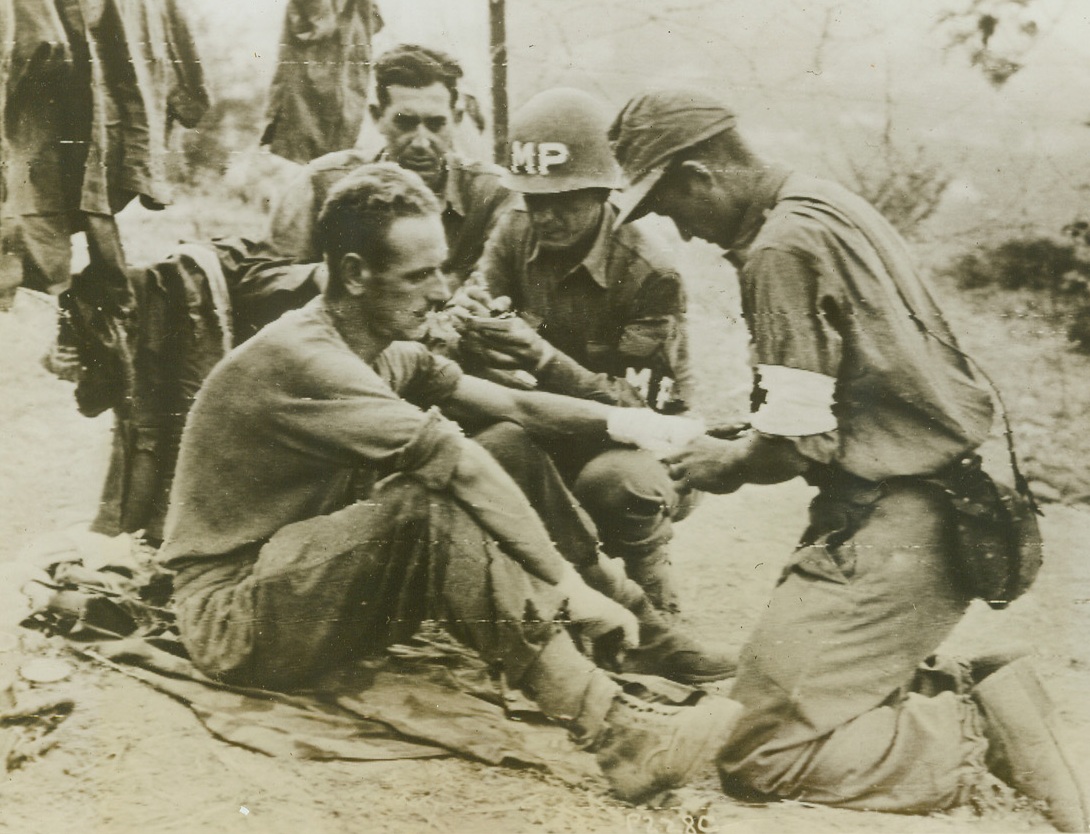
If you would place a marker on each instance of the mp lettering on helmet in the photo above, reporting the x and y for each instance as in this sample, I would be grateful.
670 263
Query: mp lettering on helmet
537 157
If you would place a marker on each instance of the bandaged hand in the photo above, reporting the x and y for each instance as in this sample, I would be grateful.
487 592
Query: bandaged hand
660 434
596 614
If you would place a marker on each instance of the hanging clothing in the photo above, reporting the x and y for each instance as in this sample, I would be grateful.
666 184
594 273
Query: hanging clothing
181 329
319 92
91 92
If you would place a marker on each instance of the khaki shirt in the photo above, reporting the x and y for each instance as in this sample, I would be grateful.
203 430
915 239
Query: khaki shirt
829 287
617 318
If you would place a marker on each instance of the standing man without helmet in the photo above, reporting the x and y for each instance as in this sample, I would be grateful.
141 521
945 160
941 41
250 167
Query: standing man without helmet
263 530
860 389
416 111
601 315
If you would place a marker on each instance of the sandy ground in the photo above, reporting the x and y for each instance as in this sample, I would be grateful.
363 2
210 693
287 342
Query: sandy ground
131 760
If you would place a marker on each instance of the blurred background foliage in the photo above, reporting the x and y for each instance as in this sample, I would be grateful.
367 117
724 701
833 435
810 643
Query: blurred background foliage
901 100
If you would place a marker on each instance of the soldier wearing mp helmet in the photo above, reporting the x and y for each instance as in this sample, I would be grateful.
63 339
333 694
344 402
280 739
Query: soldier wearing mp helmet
601 315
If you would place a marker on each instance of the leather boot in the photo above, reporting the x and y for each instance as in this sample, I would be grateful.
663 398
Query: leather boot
1023 748
663 651
666 652
647 748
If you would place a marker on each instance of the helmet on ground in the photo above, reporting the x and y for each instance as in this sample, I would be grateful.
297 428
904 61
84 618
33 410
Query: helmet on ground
557 142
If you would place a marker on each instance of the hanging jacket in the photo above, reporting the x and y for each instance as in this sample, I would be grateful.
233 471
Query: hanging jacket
92 91
181 329
319 92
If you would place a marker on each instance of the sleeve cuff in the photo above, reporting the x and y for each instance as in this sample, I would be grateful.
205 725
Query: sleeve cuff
797 403
433 454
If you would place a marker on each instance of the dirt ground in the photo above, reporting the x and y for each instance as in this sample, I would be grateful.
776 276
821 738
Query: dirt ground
129 759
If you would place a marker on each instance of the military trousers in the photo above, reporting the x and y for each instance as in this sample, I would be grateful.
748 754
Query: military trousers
826 676
335 587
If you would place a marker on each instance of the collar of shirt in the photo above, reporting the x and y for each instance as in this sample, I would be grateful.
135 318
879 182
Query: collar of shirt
594 262
321 311
765 192
453 190
452 176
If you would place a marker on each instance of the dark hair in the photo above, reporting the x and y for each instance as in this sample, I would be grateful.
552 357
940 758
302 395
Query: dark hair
360 209
410 65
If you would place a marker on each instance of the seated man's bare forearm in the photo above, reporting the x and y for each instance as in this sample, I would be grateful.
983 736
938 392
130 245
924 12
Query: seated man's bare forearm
541 414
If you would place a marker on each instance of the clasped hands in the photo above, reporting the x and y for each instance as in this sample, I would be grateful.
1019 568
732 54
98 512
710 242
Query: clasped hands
493 335
693 458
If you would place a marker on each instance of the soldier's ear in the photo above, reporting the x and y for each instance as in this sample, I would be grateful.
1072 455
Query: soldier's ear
354 274
376 112
696 170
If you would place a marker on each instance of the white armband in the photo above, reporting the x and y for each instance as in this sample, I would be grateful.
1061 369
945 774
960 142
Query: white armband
797 403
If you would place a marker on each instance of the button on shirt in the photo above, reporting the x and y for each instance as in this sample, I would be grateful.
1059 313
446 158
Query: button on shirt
617 317
829 287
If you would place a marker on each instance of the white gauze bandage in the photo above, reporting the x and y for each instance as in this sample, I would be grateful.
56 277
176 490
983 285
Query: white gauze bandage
797 403
660 434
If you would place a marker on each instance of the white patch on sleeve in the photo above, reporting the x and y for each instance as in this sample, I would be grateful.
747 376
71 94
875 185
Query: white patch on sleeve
798 403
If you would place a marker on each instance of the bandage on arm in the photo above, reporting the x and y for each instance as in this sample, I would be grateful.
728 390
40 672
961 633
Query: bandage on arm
797 404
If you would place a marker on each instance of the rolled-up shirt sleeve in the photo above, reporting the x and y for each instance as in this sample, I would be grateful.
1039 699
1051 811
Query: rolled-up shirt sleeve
432 455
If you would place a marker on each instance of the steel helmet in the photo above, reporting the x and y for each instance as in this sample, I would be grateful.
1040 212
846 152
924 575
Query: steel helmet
557 142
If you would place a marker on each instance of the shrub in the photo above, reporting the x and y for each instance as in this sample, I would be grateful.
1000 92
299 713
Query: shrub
1043 266
204 154
1033 264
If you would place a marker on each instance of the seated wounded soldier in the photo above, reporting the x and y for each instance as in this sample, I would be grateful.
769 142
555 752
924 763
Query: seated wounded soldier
281 575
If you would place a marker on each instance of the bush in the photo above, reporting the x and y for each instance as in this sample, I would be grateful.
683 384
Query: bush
1033 264
905 183
1043 266
205 153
